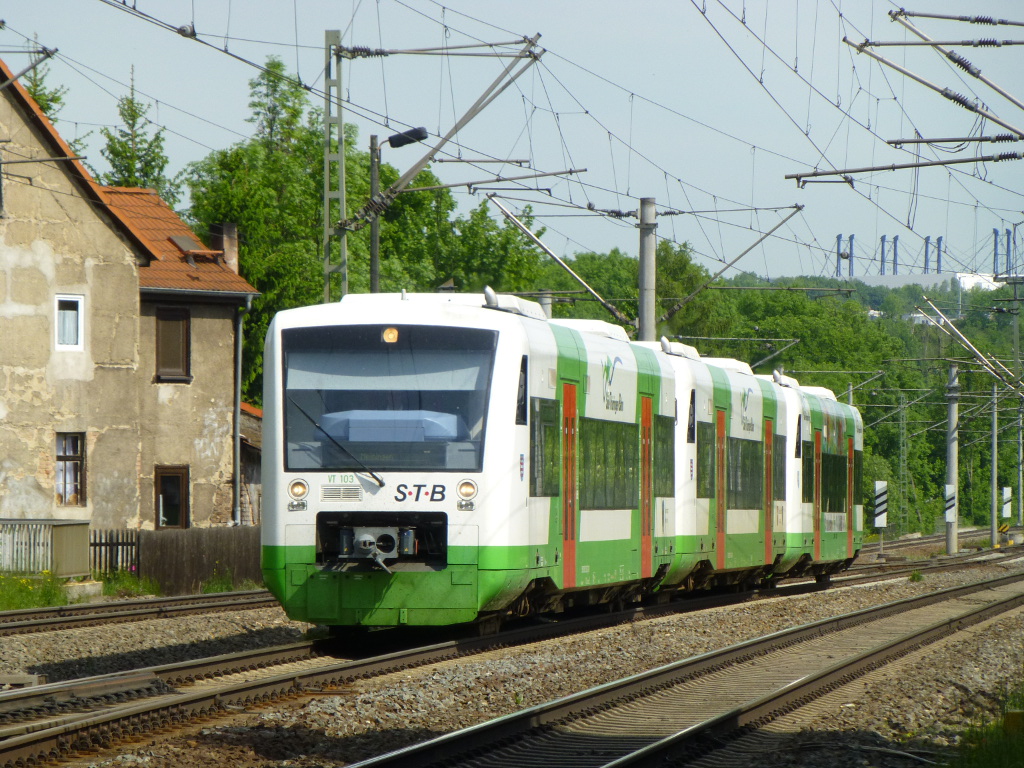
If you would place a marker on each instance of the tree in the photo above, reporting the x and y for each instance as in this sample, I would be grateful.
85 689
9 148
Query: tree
137 159
271 186
50 100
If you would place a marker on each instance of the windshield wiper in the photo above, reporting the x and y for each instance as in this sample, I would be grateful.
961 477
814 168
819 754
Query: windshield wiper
366 470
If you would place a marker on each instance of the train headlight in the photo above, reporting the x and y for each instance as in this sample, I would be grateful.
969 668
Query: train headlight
390 335
466 489
298 489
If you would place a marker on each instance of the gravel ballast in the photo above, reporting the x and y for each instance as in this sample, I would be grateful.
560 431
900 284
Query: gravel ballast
874 722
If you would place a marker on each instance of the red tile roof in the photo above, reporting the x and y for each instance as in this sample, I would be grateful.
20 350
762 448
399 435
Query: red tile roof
252 410
186 266
142 217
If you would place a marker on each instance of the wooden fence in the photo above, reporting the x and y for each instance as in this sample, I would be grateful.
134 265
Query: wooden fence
113 550
181 560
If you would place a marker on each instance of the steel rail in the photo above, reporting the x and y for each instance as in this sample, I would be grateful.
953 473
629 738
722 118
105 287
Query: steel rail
93 614
102 729
707 736
477 740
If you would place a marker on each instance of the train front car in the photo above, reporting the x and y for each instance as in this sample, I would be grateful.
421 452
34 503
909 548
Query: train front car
383 418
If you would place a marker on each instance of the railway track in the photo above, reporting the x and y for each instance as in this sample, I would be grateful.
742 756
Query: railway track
687 709
61 719
94 614
937 541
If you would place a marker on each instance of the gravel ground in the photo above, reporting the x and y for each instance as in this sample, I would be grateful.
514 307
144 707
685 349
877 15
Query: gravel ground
878 721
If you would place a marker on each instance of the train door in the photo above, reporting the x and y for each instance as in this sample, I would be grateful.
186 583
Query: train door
849 496
769 491
570 427
816 514
720 487
646 487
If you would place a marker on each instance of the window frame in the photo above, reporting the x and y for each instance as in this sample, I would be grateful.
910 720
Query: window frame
545 447
176 470
183 373
79 302
65 459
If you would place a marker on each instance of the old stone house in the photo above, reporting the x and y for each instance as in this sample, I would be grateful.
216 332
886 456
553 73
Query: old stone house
119 345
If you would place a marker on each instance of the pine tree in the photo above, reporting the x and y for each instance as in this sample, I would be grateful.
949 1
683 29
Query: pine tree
136 158
50 100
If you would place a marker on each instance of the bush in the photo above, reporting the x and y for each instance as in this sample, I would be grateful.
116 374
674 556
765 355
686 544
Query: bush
220 581
21 590
991 745
128 584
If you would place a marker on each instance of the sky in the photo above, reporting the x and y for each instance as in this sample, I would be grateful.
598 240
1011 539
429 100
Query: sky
703 105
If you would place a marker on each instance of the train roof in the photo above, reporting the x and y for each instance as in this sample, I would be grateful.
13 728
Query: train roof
595 327
729 364
488 299
822 392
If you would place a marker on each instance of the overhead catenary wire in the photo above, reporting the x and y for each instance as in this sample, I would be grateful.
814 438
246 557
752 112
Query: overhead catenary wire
818 252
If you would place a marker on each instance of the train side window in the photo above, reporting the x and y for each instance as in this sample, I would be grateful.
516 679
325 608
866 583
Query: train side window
798 437
545 447
808 472
664 456
521 394
745 473
779 453
609 464
691 423
705 460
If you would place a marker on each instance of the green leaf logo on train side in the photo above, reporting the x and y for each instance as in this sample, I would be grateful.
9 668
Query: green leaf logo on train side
746 420
612 400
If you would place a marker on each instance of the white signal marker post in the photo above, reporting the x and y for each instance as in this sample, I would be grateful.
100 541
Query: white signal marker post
881 511
951 537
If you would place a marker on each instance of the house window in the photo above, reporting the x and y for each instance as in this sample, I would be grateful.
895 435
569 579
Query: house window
171 497
69 322
70 471
172 344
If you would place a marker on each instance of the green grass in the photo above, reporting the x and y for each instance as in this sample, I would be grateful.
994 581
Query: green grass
989 745
224 581
127 584
19 591
915 576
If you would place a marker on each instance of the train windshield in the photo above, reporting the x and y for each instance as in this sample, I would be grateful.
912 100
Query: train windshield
384 398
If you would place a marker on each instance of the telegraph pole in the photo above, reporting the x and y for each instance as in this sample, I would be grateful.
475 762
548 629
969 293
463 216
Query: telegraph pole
375 221
334 164
995 467
648 248
952 462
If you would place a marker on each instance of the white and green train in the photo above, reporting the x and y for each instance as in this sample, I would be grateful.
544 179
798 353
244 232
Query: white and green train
435 459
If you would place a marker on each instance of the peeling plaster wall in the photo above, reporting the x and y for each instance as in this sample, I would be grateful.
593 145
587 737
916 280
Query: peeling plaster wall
54 242
206 405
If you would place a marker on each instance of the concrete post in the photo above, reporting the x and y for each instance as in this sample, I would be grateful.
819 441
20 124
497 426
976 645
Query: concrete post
648 269
375 221
953 458
995 469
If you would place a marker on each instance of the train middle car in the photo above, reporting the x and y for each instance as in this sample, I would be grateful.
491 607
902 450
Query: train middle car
434 459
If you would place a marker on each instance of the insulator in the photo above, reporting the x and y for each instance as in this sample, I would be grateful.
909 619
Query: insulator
1008 156
963 63
1003 137
362 51
960 99
988 42
983 20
